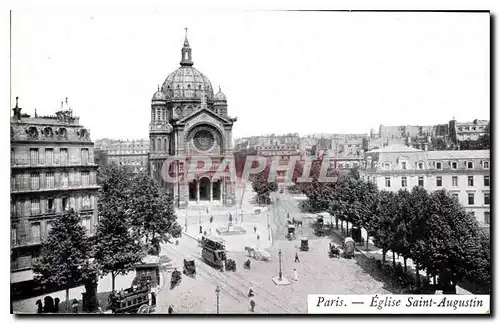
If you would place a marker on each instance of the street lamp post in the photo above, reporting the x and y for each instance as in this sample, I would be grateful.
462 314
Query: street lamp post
217 291
280 273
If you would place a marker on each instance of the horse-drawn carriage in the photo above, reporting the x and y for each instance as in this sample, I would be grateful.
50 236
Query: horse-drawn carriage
348 247
334 251
176 279
304 244
291 232
230 265
258 254
189 267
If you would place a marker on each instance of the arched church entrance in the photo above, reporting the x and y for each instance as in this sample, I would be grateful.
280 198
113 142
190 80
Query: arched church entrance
205 189
193 190
216 190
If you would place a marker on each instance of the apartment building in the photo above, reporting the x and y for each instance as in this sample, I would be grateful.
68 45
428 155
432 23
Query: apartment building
464 174
52 171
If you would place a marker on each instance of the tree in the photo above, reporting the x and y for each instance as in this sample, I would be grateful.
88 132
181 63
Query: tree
151 209
452 239
117 248
64 258
383 223
418 214
262 186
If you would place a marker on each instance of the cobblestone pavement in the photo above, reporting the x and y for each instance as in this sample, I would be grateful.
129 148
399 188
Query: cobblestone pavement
317 274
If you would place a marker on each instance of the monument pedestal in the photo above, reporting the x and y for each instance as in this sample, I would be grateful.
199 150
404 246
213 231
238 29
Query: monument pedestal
283 282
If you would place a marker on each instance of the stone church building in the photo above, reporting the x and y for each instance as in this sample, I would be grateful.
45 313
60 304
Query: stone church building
188 120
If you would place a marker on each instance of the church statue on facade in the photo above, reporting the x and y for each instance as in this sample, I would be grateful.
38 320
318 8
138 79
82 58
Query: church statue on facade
188 120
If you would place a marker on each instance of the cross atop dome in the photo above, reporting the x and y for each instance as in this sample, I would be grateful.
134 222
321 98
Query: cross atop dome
186 52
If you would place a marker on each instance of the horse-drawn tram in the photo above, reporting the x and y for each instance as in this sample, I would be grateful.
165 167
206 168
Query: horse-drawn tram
213 251
129 301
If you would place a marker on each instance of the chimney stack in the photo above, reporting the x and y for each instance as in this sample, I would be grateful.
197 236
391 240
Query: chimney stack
17 110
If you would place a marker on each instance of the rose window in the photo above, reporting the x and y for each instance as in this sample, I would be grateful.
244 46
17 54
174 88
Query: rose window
203 140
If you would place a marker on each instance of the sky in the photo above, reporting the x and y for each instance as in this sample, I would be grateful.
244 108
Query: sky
282 72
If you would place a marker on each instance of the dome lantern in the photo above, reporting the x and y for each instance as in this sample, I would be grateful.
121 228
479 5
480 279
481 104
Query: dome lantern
186 52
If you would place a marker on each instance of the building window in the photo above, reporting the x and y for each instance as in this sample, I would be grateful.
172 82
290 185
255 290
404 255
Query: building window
470 181
486 164
63 156
404 182
455 195
64 179
86 223
439 181
35 206
387 166
470 165
387 182
49 180
65 204
164 114
420 165
439 165
85 156
471 199
85 178
50 205
486 181
487 218
33 156
403 165
158 114
76 178
86 202
35 181
49 156
347 165
421 181
48 227
35 233
13 236
454 165
486 198
454 181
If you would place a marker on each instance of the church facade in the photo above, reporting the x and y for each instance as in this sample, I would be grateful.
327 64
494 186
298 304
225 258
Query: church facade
188 121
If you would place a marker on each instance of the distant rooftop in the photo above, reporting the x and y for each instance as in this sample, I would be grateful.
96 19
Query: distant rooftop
395 148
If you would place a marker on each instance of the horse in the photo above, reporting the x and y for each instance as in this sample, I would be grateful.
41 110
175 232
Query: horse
250 250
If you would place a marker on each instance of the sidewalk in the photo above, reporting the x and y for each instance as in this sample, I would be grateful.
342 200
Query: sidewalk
375 252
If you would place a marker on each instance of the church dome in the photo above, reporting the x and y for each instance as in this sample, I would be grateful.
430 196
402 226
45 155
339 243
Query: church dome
159 96
186 83
220 96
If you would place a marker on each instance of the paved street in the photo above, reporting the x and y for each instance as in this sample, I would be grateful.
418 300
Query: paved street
317 273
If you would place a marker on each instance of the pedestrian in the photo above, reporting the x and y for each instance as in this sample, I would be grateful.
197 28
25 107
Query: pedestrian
297 257
211 219
295 275
252 305
255 229
39 305
170 309
74 306
153 299
251 294
56 305
287 215
258 237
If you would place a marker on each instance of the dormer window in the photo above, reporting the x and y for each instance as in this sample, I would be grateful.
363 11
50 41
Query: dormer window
387 166
470 165
486 164
403 165
454 165
439 166
420 165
